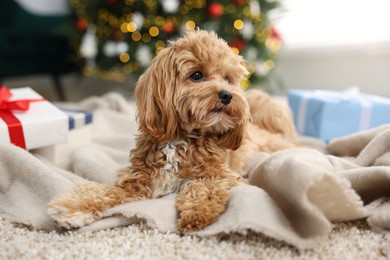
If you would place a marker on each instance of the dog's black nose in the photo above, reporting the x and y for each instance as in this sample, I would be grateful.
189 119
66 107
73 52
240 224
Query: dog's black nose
225 97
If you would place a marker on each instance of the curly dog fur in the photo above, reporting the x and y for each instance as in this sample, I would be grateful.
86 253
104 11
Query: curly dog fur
195 136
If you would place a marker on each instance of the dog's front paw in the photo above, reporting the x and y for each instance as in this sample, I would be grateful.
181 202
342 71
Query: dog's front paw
200 204
194 221
69 218
83 204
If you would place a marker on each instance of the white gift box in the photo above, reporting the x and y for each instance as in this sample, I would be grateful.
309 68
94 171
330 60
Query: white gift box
77 118
43 124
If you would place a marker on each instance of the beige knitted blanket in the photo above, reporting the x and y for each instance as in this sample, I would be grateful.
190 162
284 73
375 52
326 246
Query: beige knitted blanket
294 195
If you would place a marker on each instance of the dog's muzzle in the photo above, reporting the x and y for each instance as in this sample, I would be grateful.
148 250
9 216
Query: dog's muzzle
225 97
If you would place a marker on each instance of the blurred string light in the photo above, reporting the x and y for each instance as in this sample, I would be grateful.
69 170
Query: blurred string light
238 24
130 33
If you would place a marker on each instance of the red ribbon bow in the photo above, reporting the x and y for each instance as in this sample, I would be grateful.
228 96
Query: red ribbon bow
15 128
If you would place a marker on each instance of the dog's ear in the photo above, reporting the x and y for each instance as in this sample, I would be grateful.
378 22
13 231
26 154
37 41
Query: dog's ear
232 139
154 94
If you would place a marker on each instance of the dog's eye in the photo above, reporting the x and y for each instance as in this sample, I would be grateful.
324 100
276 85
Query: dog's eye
196 76
227 79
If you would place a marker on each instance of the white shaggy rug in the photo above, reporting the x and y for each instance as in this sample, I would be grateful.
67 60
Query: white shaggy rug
348 240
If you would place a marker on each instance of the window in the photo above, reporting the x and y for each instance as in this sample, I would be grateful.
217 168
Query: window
318 23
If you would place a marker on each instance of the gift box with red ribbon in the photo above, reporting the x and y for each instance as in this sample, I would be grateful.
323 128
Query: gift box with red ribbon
29 121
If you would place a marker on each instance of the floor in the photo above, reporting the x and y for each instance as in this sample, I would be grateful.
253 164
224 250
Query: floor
76 87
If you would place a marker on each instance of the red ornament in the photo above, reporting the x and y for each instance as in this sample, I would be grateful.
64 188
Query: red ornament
274 34
169 27
239 2
81 24
215 10
240 44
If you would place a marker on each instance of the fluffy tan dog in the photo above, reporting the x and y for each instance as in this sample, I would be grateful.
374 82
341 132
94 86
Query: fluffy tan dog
192 115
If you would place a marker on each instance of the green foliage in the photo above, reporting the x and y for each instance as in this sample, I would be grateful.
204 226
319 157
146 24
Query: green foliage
130 33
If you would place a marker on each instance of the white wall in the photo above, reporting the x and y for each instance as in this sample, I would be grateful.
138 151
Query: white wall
335 44
336 68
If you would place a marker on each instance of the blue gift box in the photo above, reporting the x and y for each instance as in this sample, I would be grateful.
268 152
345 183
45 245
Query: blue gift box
330 114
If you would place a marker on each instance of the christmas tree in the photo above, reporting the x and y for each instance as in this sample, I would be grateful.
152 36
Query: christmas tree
118 38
